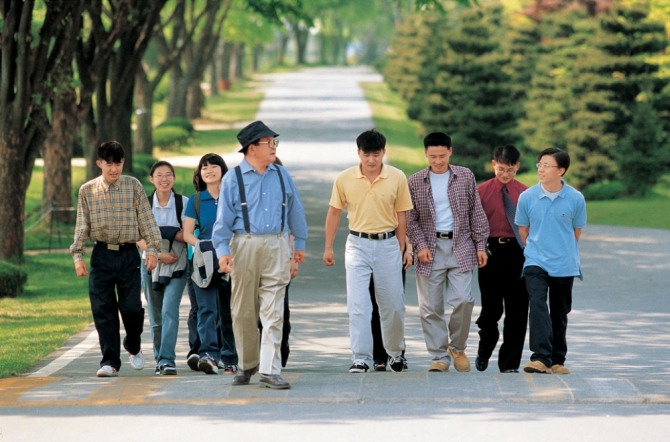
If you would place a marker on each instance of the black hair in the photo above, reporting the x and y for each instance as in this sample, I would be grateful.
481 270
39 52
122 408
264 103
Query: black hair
437 139
562 157
208 159
111 151
371 141
161 163
507 154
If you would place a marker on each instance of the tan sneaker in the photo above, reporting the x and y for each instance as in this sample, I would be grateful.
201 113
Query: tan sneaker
438 366
536 367
559 369
461 361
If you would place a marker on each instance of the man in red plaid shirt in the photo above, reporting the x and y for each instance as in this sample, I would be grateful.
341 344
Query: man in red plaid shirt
449 229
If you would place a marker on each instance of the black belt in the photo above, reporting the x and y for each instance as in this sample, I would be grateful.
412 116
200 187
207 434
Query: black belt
385 235
445 235
116 247
501 240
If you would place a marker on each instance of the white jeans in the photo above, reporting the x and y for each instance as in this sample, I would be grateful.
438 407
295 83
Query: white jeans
381 259
445 281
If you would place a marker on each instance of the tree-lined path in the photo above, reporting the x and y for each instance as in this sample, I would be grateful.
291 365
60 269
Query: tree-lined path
618 338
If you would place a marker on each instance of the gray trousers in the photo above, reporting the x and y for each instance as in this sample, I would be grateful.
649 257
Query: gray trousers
445 283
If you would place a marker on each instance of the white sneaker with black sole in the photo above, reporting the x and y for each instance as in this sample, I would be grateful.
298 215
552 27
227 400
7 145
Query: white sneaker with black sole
359 367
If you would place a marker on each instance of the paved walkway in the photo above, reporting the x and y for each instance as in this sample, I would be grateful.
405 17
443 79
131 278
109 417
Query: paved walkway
619 336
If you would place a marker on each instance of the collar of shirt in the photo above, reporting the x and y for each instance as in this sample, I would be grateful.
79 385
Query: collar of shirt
245 167
383 174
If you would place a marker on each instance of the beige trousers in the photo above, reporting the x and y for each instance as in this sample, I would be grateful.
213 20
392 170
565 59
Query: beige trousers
260 274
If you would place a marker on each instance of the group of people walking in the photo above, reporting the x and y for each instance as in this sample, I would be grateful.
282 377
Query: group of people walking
238 240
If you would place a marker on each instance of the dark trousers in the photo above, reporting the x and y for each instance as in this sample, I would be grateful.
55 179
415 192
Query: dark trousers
379 354
225 326
503 289
226 339
193 337
114 286
548 324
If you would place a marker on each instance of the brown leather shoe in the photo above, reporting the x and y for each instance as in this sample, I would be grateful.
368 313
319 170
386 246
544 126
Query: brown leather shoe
536 367
461 361
274 381
438 366
559 369
242 377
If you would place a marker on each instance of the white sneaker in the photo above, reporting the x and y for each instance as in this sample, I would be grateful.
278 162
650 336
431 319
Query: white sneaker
107 371
136 361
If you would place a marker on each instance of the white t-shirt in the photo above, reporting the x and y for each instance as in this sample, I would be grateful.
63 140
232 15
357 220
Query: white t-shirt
444 217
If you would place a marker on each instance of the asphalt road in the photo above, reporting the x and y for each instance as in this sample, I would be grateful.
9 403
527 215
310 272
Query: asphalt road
618 338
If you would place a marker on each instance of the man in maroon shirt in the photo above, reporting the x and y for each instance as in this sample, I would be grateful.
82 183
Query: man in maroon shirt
500 282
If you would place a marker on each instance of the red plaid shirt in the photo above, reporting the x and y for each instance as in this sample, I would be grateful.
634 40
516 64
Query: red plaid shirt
471 228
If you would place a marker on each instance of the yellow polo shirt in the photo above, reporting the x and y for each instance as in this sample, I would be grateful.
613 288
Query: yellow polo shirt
372 207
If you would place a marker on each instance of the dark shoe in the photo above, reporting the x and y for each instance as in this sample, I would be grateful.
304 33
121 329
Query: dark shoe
274 381
358 367
380 366
157 371
208 365
481 364
397 363
242 377
166 370
509 370
192 362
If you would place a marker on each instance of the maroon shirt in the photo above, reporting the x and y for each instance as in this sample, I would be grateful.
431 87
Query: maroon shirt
490 193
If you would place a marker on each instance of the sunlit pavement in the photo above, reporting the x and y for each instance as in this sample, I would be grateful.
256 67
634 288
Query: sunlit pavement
618 338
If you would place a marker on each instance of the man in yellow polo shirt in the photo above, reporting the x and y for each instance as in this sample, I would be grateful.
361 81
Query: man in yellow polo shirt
376 197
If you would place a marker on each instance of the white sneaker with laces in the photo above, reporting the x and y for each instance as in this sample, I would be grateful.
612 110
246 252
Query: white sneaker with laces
136 361
107 371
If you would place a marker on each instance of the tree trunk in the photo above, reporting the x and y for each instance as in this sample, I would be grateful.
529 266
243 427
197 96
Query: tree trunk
178 94
256 61
239 65
213 79
13 187
301 36
283 44
196 101
57 154
143 139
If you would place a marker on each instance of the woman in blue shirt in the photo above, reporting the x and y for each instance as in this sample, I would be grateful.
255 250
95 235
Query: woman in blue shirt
213 300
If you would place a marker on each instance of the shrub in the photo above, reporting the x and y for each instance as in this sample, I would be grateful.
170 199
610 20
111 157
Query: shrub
184 123
170 137
12 280
142 164
607 190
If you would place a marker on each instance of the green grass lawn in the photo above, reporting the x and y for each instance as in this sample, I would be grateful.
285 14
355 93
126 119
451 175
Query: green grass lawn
53 307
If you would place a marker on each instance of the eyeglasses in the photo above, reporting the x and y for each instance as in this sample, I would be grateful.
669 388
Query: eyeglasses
272 143
544 166
160 177
510 171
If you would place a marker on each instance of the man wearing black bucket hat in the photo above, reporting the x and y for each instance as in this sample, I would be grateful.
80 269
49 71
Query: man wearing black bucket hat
259 206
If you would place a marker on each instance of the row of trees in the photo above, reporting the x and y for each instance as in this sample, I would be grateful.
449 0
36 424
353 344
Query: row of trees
583 76
77 72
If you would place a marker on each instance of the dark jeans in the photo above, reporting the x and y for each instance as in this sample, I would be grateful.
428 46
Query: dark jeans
225 337
548 324
503 289
225 326
379 354
112 274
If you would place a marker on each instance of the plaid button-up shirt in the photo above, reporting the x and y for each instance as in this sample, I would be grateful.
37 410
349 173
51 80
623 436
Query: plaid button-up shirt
114 213
471 228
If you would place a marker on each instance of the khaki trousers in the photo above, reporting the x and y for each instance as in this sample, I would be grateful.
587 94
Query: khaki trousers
260 274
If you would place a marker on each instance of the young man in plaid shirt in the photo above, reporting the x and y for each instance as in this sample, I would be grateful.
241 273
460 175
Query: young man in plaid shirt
448 228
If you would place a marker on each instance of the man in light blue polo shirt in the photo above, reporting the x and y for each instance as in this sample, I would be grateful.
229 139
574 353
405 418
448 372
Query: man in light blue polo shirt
550 216
251 237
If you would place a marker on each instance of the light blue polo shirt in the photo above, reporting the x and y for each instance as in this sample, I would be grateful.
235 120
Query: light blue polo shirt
551 243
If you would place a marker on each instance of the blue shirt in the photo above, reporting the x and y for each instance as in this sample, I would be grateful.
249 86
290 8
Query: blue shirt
264 200
207 214
551 243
